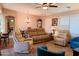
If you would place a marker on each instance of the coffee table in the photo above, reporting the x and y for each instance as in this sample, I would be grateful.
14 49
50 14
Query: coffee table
76 51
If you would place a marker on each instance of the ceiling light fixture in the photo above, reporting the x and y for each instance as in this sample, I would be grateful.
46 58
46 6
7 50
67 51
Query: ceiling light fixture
12 20
45 7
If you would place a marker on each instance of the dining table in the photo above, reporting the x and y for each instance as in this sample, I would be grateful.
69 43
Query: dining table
4 39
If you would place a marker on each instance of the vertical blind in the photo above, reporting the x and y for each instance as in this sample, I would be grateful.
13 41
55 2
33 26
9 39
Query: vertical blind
71 22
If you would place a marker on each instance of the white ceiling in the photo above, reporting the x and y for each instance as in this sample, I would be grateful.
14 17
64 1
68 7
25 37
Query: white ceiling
31 8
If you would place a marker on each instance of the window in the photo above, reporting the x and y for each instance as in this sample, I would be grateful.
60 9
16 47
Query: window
1 23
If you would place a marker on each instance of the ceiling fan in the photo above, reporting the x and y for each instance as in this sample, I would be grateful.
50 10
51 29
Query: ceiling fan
46 5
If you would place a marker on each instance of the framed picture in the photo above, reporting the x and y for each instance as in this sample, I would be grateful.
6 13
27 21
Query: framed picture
54 21
39 23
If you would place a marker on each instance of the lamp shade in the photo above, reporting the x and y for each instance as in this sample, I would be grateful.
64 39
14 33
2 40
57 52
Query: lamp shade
54 29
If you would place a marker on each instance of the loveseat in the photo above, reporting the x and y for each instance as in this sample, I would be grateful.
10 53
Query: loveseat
38 35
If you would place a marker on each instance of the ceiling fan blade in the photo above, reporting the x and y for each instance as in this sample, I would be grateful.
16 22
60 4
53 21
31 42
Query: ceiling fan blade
44 3
47 5
53 6
38 6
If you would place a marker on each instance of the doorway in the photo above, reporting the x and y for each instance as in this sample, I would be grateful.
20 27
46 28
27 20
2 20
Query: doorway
10 23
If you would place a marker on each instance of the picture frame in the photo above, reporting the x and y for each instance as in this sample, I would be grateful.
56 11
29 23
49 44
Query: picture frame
39 23
54 21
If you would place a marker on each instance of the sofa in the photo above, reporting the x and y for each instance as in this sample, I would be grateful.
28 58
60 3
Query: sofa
43 51
38 35
74 42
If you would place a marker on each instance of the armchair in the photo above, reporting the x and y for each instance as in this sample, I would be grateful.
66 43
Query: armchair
43 51
20 47
62 38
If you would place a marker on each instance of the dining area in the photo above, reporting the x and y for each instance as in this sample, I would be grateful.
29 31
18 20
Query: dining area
4 41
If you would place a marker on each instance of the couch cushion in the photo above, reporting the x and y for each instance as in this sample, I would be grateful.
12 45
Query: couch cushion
31 32
59 39
40 37
41 31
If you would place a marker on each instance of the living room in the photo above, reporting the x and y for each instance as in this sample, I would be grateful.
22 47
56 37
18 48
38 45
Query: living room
35 25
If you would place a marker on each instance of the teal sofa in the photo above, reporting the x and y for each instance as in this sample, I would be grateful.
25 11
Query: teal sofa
43 51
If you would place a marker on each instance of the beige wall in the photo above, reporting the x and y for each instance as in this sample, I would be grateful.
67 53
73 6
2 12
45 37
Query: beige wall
64 19
0 8
48 23
20 19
